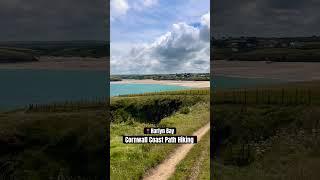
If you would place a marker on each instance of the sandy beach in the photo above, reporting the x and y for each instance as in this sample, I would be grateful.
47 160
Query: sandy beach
289 71
61 63
192 84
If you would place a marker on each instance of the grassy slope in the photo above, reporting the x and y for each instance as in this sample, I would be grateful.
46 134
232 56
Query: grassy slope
16 55
273 54
39 145
131 161
197 164
268 141
28 52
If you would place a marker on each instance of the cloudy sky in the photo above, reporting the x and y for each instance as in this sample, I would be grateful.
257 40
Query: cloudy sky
43 20
266 18
159 36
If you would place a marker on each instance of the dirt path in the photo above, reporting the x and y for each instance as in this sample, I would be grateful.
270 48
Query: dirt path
167 167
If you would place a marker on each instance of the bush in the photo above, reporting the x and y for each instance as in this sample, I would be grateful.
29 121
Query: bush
185 110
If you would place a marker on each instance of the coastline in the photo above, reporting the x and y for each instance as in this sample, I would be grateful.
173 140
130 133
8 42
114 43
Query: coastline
287 71
192 84
60 63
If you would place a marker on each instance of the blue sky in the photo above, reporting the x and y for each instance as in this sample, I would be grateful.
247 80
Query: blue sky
155 36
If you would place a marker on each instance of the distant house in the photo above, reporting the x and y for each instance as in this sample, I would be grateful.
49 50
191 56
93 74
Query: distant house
295 44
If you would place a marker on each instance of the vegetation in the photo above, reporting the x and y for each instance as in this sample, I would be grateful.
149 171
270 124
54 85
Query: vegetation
204 91
51 141
14 55
267 139
296 49
30 51
182 76
132 113
115 78
197 164
149 109
67 139
275 96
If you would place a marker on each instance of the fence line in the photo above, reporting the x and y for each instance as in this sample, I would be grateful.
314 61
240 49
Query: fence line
267 96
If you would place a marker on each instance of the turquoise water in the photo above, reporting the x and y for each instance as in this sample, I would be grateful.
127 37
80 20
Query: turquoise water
22 87
119 89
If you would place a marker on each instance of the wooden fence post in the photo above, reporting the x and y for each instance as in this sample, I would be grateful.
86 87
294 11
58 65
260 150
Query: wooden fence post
296 100
309 96
245 96
257 94
268 92
282 96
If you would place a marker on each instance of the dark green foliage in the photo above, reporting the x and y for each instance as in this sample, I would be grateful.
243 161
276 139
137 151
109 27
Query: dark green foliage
182 76
40 145
28 51
184 110
115 78
8 55
290 49
255 128
149 109
238 127
191 92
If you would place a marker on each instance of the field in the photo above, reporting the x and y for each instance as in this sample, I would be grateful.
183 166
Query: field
14 52
260 133
197 164
185 110
68 139
270 54
267 133
49 141
289 49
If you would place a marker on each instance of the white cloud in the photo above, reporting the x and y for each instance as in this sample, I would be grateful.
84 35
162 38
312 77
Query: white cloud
205 20
205 32
184 48
149 3
121 7
118 8
140 5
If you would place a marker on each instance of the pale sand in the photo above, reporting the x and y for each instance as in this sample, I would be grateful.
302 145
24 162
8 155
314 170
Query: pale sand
61 63
289 71
192 84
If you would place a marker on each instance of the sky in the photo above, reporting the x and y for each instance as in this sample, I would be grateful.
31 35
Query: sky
159 36
266 18
53 20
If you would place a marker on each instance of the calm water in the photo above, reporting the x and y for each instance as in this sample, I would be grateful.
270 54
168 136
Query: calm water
118 89
22 87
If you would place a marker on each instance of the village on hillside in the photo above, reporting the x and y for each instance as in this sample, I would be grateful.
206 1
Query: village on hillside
303 49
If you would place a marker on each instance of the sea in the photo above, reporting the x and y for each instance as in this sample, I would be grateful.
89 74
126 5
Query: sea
19 88
122 89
